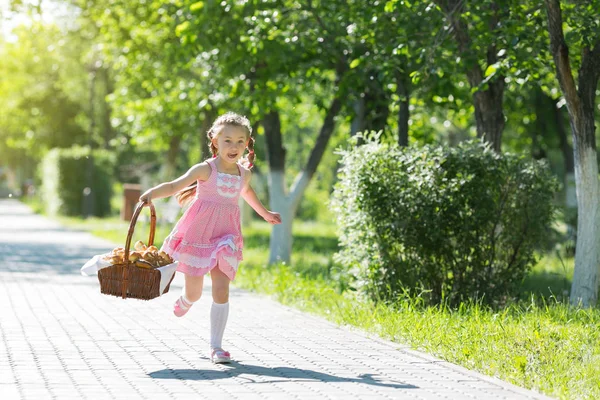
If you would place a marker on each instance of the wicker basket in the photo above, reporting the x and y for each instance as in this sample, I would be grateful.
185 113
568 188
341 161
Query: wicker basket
127 280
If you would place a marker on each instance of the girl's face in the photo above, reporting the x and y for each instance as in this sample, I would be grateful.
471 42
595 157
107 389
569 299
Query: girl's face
231 142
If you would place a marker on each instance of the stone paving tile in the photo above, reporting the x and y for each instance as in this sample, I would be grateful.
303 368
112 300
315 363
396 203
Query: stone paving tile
61 339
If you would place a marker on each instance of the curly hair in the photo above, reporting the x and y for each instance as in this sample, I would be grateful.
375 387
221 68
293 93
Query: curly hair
232 119
227 119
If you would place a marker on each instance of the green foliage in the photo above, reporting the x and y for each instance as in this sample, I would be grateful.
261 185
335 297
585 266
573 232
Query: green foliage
40 82
313 206
64 176
450 224
583 27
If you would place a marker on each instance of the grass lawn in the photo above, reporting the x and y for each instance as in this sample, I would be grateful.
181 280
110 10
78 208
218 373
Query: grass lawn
538 343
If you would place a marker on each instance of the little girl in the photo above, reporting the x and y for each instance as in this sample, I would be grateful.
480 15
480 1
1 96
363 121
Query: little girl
208 236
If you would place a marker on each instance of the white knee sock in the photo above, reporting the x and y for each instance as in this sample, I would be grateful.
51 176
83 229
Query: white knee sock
218 320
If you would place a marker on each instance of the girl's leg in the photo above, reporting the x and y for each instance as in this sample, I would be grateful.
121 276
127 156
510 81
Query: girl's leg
191 294
193 288
218 314
220 286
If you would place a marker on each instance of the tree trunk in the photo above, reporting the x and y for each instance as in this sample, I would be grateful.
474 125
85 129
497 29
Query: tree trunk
169 168
567 152
280 244
280 249
489 116
377 107
584 290
541 106
358 122
580 103
275 151
403 114
565 147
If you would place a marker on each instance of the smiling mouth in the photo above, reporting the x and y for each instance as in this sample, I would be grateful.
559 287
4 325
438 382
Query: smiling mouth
232 155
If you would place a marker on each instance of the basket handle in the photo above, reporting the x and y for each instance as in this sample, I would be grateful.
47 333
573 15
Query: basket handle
136 214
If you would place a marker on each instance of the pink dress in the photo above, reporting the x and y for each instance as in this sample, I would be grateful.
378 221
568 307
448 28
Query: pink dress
209 233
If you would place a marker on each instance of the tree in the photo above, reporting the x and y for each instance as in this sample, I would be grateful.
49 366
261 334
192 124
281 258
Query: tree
180 58
308 28
487 93
391 38
164 99
580 97
42 103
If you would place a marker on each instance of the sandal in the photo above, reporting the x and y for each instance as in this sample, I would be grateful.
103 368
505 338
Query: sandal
181 307
220 356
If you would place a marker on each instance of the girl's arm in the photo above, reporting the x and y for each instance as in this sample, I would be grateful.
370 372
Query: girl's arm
249 195
197 172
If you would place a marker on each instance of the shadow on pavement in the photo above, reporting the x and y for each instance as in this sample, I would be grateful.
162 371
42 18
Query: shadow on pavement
289 374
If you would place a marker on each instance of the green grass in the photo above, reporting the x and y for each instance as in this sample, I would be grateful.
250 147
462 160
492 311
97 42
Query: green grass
551 277
552 349
538 343
35 203
115 230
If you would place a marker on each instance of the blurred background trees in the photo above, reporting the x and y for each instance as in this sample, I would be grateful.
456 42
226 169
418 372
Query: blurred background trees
144 80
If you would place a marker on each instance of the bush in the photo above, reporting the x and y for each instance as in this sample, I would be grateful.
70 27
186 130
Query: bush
449 224
64 178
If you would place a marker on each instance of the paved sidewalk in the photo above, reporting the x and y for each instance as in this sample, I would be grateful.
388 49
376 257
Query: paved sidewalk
61 339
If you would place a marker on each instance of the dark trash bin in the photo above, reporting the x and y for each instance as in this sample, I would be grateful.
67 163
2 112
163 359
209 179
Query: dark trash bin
131 196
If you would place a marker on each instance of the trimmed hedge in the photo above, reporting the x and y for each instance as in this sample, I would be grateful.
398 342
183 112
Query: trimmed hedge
63 173
448 224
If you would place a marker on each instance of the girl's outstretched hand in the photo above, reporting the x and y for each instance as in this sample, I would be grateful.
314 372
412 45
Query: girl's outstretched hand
146 197
272 217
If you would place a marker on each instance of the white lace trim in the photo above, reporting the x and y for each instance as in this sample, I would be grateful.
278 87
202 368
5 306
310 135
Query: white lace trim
226 241
228 184
226 174
206 262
